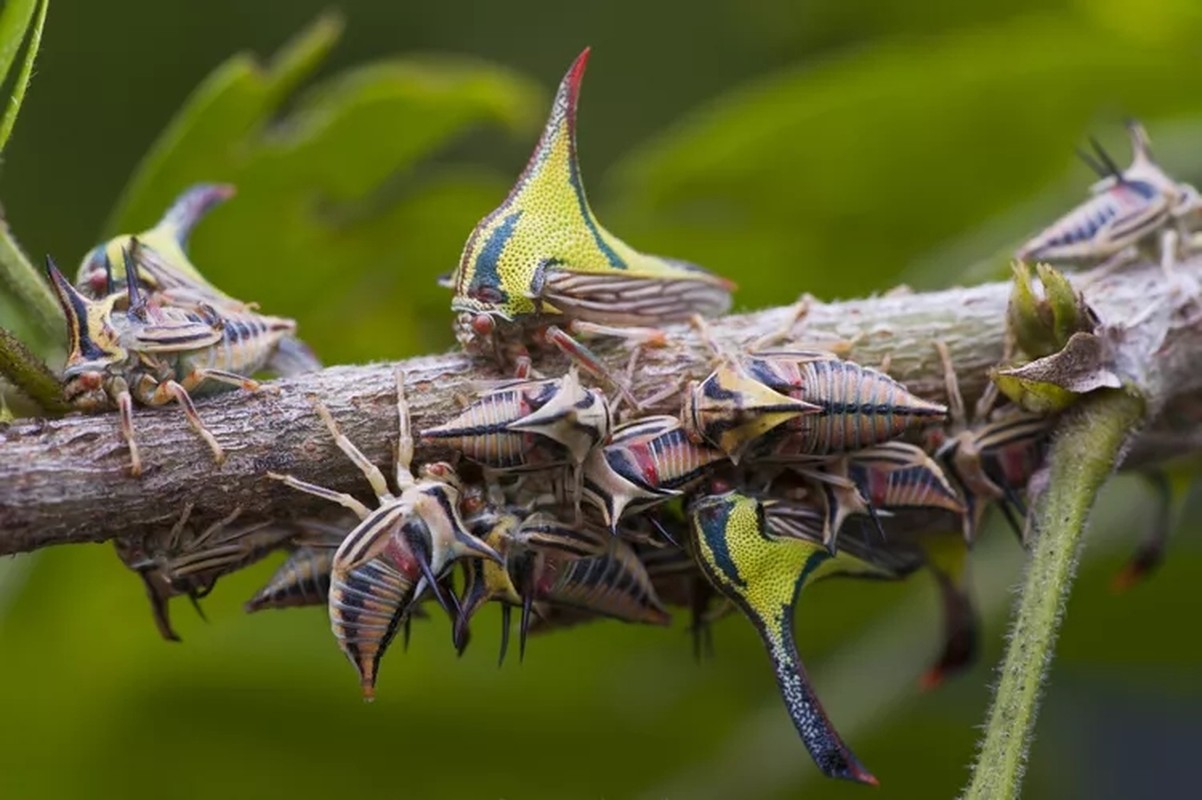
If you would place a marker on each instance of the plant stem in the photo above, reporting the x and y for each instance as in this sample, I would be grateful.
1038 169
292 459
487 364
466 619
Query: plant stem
29 286
30 374
1084 454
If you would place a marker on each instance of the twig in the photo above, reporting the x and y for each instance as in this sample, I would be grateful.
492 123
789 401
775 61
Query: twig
66 480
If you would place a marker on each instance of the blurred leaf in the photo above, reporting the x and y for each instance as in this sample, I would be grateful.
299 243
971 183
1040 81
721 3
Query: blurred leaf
31 310
322 228
13 25
232 103
839 173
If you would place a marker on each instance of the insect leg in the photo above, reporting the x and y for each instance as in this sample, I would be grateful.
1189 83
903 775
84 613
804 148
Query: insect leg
648 337
224 376
1150 553
177 530
369 470
404 440
797 314
174 389
125 403
955 400
341 498
586 359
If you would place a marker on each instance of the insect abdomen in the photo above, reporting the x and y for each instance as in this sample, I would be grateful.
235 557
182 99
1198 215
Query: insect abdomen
302 580
366 606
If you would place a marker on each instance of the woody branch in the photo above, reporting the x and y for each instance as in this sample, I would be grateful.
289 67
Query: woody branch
66 480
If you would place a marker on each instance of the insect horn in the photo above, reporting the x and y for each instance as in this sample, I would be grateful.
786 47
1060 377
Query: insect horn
190 207
194 597
81 315
1112 169
137 301
1141 149
506 618
524 622
1093 163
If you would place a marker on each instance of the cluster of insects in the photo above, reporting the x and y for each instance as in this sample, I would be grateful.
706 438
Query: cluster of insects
783 466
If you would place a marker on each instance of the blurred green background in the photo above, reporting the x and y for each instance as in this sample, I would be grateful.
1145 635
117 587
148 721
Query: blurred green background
834 146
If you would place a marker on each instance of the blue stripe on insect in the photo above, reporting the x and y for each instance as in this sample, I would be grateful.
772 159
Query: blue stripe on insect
614 259
486 273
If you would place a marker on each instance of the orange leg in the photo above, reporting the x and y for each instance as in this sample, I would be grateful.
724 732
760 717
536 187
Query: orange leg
169 390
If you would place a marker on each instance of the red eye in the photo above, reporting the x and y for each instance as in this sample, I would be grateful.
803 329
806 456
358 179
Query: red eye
482 324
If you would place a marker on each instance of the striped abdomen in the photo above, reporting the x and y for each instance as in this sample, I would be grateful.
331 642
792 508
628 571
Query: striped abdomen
859 407
661 457
366 606
1012 450
900 475
615 585
247 343
302 580
1115 218
483 434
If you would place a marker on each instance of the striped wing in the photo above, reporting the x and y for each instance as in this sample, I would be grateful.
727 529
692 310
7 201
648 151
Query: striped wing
173 337
621 299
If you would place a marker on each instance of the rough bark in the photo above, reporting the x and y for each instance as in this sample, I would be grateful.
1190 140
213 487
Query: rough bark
66 480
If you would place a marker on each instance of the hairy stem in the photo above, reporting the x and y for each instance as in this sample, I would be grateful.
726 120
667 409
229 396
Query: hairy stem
1086 451
29 287
30 374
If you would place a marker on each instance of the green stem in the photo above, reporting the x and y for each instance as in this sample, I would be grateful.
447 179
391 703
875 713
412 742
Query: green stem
30 374
1084 454
29 286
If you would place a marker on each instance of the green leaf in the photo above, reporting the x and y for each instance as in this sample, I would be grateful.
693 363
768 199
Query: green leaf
341 220
825 171
30 307
14 24
22 81
232 103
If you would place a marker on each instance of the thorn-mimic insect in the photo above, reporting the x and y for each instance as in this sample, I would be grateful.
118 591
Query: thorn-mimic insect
398 549
763 575
180 561
540 267
857 406
1140 205
890 476
530 425
730 409
165 269
304 577
646 462
157 354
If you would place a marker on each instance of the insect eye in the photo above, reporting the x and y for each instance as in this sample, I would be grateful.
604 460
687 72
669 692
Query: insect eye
482 324
487 294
